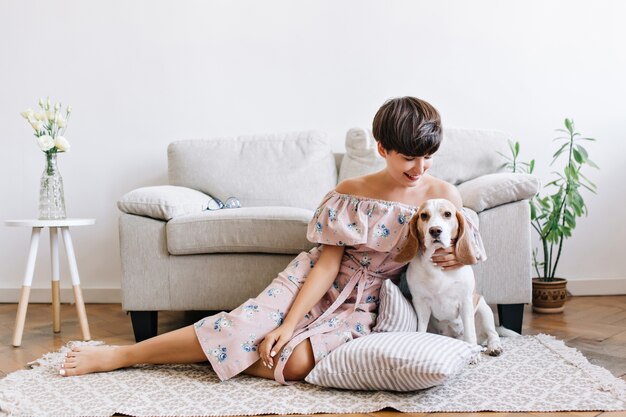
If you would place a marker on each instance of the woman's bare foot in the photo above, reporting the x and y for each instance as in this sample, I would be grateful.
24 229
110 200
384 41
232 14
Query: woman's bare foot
88 359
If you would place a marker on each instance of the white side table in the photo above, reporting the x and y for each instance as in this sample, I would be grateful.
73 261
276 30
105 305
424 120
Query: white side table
55 227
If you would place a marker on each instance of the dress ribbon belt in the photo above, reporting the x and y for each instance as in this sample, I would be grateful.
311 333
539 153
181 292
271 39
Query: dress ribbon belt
359 280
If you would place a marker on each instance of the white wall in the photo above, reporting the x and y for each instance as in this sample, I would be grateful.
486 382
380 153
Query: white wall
140 74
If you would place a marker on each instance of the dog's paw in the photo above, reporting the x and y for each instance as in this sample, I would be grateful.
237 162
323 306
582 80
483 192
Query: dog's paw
495 350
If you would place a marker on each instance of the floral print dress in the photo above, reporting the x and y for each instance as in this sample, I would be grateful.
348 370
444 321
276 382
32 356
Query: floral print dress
373 232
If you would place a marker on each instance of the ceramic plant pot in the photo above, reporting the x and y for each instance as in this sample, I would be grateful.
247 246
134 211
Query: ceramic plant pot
549 296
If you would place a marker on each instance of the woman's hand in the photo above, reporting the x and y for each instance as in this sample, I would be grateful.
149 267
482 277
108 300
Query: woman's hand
445 258
273 343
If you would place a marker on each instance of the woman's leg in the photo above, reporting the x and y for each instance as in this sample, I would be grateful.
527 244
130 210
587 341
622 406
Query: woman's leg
178 346
300 363
182 346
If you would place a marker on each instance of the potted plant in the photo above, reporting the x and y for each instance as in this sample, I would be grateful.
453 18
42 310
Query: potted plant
553 215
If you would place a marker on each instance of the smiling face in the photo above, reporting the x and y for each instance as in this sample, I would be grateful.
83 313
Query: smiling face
437 223
405 170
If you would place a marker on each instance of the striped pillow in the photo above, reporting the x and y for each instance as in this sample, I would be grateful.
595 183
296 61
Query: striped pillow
395 312
393 361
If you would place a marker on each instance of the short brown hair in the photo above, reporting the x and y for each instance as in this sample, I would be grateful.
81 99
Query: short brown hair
409 126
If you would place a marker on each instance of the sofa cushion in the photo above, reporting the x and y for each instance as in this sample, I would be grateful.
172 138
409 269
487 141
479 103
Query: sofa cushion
246 229
493 190
291 169
464 154
361 155
163 202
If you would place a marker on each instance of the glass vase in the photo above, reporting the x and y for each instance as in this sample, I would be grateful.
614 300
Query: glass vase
51 198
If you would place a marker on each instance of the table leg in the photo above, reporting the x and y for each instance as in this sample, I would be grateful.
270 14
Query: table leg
25 292
56 289
78 295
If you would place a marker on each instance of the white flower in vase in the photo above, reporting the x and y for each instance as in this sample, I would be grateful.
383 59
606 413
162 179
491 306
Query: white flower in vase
45 142
60 121
49 126
37 125
62 144
28 114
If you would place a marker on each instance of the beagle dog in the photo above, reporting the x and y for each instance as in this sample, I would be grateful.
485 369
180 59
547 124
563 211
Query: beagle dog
445 301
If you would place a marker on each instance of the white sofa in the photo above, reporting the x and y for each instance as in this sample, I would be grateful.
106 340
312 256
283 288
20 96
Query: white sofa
176 255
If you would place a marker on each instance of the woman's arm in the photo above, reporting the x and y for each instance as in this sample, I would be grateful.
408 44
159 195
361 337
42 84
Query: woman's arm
316 284
318 281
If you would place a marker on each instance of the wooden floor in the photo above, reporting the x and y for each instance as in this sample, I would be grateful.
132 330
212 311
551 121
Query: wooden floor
594 325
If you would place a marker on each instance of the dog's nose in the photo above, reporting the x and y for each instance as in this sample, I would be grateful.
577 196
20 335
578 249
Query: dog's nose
435 231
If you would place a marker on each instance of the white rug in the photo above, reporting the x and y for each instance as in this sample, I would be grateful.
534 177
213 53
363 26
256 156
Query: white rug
535 373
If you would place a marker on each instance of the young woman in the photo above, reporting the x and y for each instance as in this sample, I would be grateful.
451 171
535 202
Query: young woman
327 296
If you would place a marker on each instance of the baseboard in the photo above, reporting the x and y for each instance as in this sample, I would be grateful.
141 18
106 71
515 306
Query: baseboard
44 295
605 286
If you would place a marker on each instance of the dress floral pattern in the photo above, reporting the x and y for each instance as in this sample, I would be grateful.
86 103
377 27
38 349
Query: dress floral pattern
373 232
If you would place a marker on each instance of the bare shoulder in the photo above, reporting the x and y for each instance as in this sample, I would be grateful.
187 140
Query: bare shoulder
443 189
353 186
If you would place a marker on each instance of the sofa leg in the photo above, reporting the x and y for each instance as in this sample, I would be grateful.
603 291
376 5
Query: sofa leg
511 316
144 324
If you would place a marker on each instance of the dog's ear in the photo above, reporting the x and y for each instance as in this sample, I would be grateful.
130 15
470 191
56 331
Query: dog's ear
464 249
413 242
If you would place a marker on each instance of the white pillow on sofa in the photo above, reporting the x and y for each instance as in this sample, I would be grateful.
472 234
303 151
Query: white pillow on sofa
493 190
361 155
397 361
395 312
163 202
294 169
477 148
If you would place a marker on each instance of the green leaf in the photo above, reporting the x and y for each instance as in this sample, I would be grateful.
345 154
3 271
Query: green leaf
588 188
582 151
569 124
516 148
579 199
578 209
589 183
533 210
531 166
578 156
591 139
548 232
559 151
571 173
592 164
510 143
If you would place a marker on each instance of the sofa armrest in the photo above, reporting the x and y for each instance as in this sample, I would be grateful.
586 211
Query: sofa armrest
505 277
163 202
493 190
145 264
